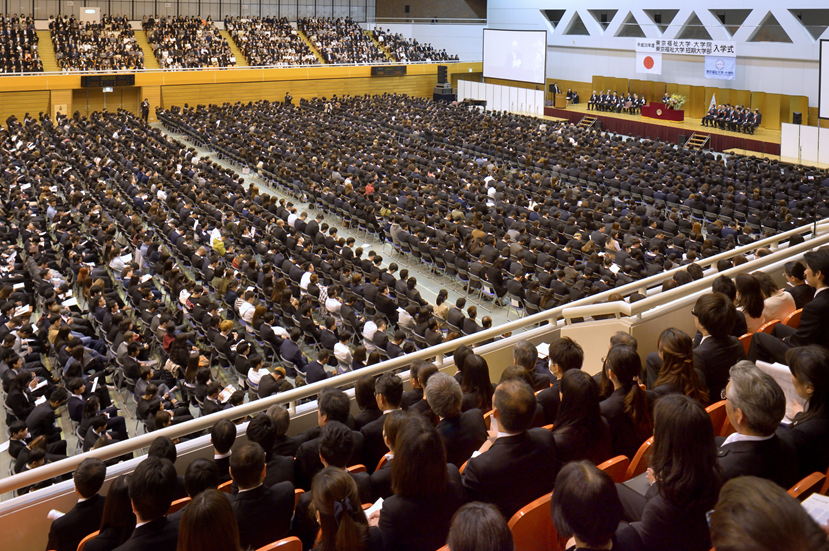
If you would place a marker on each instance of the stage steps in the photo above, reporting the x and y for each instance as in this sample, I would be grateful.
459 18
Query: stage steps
587 121
697 141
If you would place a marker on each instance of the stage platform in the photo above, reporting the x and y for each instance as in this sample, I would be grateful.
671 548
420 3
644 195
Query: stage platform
763 142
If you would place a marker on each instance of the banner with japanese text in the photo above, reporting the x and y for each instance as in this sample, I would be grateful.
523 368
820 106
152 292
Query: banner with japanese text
721 48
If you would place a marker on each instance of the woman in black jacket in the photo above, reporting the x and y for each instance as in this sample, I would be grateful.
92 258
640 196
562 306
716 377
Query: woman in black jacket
626 409
18 399
580 430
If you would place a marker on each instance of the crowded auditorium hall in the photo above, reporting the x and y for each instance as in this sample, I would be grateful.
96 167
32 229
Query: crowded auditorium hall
375 277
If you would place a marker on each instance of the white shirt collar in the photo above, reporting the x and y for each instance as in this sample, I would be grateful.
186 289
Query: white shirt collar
222 455
502 434
819 290
702 340
140 524
737 437
249 489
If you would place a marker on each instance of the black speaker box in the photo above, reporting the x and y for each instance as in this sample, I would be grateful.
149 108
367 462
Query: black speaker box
682 139
442 74
797 118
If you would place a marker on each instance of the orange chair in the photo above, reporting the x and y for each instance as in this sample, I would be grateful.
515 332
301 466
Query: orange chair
616 468
716 412
381 463
86 539
178 505
532 527
357 469
444 548
548 427
825 487
767 327
640 461
807 486
746 340
285 544
226 487
793 319
297 494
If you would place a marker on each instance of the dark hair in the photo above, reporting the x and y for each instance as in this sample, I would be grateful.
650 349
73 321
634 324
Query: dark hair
262 430
201 474
222 435
89 477
579 417
476 381
678 365
796 270
152 487
567 354
459 357
364 392
818 261
626 366
209 524
391 425
246 464
118 508
585 504
390 387
334 404
750 295
419 466
757 514
516 405
163 448
725 285
343 524
684 457
479 527
810 366
717 314
336 443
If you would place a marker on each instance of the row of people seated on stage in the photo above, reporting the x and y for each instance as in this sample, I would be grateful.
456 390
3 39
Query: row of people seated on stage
736 119
613 102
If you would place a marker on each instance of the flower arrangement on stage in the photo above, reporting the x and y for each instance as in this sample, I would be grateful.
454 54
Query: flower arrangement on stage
676 101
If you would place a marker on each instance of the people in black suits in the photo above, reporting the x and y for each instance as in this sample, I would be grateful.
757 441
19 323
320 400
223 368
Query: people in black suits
716 350
462 433
801 291
565 354
809 431
427 491
20 443
814 320
388 390
334 405
84 518
222 436
262 430
755 405
41 421
337 500
315 371
519 467
627 409
152 487
263 513
336 445
211 402
291 353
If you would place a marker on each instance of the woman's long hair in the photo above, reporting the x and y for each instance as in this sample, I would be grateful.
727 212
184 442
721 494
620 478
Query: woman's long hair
750 295
678 365
579 415
810 365
209 524
476 380
684 457
342 521
626 366
419 466
118 509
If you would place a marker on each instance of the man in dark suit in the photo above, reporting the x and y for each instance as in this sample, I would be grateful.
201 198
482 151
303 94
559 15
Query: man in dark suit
20 443
565 354
211 402
336 445
462 433
315 371
262 430
263 513
284 444
41 421
519 467
334 405
222 436
394 346
715 353
85 517
388 390
290 351
814 320
152 487
755 405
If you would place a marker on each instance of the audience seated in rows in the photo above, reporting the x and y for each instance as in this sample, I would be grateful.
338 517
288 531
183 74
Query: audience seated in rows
18 47
340 40
183 42
408 49
269 41
107 45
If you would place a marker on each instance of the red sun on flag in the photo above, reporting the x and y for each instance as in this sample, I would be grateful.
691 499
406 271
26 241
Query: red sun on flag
648 61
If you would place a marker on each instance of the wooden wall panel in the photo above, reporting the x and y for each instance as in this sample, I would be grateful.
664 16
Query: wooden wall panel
696 106
20 103
63 99
153 95
773 116
758 101
799 104
741 97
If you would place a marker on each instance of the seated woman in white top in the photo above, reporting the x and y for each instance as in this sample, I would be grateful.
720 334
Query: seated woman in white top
778 303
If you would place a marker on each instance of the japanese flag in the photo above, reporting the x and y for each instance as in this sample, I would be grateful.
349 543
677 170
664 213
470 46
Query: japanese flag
649 63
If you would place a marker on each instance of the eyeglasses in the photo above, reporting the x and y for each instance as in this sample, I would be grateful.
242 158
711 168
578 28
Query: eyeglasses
723 395
694 313
708 516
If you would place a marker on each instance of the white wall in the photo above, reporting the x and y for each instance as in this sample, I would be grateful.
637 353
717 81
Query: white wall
465 41
785 68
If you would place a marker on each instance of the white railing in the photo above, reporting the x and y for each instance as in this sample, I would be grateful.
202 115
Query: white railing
574 309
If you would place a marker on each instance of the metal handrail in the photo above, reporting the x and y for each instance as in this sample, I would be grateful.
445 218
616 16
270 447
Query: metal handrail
69 464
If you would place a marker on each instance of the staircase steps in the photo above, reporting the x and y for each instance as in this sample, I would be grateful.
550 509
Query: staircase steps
587 121
46 51
310 44
380 46
150 62
240 57
697 141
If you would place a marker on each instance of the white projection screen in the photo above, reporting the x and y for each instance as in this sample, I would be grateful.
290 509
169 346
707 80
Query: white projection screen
517 55
823 86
